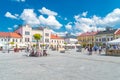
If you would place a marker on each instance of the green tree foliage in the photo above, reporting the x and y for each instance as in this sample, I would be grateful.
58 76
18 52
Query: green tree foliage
37 37
12 43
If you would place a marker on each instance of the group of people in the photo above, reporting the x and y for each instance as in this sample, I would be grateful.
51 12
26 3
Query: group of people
94 48
113 47
36 52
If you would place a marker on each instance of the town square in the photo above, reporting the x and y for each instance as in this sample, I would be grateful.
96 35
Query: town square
59 40
59 66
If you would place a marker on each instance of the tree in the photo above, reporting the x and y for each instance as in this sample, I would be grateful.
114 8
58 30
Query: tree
65 44
12 43
37 37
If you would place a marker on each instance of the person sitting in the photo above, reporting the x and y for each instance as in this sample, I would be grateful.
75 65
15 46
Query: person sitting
32 53
38 53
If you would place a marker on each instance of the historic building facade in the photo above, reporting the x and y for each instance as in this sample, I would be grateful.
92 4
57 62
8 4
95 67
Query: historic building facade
87 38
9 39
104 36
56 42
27 33
117 34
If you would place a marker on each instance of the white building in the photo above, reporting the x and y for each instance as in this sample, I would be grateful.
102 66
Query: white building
71 40
23 35
7 37
57 42
27 33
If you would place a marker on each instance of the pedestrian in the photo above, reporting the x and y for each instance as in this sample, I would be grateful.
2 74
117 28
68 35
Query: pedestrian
95 49
100 49
90 50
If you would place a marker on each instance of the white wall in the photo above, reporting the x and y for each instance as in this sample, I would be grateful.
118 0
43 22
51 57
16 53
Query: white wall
71 40
46 37
29 29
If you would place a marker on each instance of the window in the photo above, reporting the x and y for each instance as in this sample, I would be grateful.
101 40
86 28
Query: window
8 39
103 39
46 40
46 34
96 39
111 38
16 40
13 40
27 33
27 39
1 39
99 39
20 40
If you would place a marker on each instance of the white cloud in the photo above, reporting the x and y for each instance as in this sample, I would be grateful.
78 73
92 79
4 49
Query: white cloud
84 14
77 17
17 15
65 18
59 33
69 26
19 0
47 12
9 15
112 18
97 23
15 26
50 21
29 17
9 28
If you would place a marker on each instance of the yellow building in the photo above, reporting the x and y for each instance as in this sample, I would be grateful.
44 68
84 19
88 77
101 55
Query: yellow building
87 38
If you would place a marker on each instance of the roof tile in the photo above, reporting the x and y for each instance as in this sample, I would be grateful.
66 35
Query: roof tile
10 34
88 34
55 37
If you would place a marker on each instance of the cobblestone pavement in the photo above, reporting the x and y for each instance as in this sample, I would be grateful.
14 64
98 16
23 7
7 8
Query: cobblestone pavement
70 65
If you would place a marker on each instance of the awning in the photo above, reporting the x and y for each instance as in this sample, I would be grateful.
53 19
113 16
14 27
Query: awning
116 41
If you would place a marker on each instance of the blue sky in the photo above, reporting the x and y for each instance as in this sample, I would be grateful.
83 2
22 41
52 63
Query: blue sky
62 16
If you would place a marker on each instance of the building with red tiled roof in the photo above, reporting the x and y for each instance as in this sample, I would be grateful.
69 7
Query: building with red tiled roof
10 35
87 38
24 35
55 37
88 34
117 34
56 42
27 33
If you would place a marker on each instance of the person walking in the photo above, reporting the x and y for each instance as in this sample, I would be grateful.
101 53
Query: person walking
95 49
100 49
90 50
